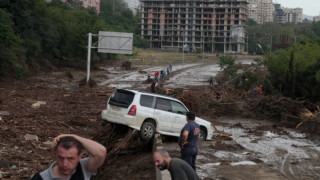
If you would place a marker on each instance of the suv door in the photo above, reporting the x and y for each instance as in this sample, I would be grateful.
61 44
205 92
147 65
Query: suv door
180 112
163 113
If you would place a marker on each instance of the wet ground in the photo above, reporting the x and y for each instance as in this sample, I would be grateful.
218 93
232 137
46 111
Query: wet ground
258 150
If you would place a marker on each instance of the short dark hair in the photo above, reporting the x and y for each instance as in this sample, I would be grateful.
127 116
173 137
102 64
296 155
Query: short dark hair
68 142
163 152
191 115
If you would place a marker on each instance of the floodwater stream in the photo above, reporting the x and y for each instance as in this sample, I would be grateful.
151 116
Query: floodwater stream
258 150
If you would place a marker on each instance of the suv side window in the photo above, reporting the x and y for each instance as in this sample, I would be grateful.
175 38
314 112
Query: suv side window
178 108
163 104
146 101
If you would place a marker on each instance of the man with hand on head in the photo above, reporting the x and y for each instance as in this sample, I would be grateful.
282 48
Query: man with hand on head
179 169
69 164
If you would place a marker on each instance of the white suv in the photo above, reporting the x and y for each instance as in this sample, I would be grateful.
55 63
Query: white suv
149 112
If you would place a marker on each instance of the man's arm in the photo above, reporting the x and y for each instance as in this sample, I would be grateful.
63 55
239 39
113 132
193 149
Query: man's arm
184 137
97 151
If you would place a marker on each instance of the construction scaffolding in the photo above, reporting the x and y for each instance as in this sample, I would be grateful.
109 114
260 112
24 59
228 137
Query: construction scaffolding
170 25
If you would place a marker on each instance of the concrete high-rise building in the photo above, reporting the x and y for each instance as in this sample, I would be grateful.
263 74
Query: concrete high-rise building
86 3
316 18
266 11
190 24
279 15
261 11
284 15
294 15
253 12
92 3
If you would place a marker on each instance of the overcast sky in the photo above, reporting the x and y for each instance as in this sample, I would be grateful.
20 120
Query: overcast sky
310 7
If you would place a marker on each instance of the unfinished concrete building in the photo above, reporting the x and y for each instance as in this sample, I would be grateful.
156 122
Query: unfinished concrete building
215 25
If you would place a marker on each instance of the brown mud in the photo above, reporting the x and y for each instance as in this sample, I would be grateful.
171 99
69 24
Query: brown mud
35 110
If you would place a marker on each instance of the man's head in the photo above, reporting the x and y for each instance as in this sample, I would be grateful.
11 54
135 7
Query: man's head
68 153
161 159
190 116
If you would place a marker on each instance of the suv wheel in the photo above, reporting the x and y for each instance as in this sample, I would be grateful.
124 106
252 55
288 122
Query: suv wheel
202 135
147 130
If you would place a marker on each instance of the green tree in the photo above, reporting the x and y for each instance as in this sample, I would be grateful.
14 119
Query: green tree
226 60
293 71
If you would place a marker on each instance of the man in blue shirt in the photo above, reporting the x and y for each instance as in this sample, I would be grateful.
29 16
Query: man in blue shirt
188 140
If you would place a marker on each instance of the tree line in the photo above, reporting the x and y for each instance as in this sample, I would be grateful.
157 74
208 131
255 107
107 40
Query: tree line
36 35
292 70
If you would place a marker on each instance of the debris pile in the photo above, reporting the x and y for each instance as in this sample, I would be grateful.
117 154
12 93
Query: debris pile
124 143
290 112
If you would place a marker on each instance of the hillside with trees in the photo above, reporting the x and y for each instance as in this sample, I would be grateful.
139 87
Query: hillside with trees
36 36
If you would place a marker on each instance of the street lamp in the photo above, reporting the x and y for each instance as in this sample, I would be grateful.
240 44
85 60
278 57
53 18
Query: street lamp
261 49
270 42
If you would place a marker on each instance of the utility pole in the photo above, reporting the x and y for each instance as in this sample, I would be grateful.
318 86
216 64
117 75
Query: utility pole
202 47
270 42
183 49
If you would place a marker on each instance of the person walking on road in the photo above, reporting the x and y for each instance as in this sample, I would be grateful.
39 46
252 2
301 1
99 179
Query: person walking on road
156 76
211 81
255 91
260 92
188 140
179 169
69 163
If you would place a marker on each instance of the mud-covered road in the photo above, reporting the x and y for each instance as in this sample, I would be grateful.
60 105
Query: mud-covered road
252 149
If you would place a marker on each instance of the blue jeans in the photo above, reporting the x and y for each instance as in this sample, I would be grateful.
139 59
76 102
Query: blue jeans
189 154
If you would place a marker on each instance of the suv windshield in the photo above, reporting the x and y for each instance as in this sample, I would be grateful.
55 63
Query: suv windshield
121 98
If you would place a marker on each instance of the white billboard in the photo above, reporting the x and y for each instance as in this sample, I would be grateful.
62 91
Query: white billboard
237 33
115 42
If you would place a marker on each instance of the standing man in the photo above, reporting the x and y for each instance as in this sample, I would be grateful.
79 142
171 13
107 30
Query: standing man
69 163
260 92
211 81
188 140
179 169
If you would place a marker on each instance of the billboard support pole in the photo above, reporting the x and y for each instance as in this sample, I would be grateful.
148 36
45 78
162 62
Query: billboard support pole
89 56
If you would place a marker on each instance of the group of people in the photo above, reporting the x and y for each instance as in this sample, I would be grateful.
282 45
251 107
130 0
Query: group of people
185 167
71 165
257 90
161 74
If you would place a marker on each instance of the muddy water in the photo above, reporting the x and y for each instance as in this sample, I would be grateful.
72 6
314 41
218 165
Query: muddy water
195 74
119 78
259 150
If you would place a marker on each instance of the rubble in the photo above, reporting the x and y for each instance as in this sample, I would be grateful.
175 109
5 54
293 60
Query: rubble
67 107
